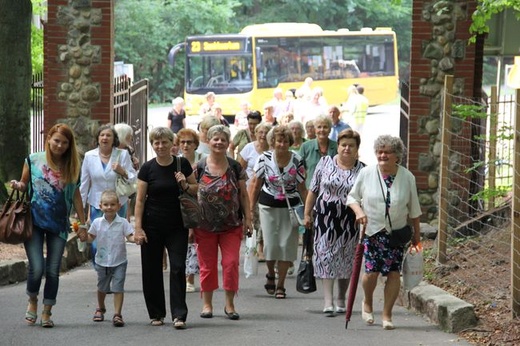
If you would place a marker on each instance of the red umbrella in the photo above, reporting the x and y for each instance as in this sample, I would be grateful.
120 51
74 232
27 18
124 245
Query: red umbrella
354 278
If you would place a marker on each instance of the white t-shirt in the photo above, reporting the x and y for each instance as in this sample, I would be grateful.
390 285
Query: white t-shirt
250 155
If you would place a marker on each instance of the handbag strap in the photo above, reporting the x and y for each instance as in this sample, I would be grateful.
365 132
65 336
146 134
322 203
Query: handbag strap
30 194
386 199
308 249
281 178
178 162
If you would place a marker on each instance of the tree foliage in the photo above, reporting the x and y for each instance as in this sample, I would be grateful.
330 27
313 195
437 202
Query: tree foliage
146 30
486 9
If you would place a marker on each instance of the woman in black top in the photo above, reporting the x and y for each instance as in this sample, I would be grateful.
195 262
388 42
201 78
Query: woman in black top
158 224
177 116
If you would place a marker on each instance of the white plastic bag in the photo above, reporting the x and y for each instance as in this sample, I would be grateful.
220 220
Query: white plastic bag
251 256
82 245
412 267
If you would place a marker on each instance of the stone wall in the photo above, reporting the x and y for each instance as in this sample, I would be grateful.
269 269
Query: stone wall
78 66
440 36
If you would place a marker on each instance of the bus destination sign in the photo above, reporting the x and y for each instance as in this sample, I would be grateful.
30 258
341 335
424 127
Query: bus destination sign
215 46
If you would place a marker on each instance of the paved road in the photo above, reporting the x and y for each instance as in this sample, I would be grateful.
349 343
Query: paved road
297 320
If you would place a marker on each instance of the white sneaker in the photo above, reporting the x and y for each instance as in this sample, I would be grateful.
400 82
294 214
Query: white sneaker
190 288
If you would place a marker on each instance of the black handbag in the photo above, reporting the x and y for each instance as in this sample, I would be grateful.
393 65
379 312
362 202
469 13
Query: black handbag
400 237
305 280
190 207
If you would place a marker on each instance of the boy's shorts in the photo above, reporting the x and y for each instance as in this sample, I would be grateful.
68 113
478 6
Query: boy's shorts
115 275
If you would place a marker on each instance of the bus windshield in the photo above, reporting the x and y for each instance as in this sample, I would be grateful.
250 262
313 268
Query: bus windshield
222 74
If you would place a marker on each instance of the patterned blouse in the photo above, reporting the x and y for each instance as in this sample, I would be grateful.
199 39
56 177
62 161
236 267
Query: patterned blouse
276 179
332 185
219 198
51 201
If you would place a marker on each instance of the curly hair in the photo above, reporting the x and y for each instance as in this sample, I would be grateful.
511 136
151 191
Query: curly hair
280 131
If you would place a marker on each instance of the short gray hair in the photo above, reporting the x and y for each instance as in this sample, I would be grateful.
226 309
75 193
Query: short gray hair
323 119
394 143
160 133
216 129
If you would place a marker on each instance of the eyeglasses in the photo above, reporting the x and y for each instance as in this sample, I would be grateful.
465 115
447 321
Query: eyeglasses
187 142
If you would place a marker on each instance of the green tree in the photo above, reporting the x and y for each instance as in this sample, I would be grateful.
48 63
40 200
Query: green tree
15 84
487 8
146 30
39 8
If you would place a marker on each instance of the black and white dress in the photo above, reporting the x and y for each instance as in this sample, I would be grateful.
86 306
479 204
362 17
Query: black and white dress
335 234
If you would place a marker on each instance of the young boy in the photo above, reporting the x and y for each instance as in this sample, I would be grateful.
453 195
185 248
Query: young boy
111 232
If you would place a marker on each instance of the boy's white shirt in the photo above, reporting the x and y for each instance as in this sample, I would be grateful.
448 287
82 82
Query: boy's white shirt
111 240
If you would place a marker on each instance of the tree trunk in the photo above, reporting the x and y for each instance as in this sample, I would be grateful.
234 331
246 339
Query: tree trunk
15 87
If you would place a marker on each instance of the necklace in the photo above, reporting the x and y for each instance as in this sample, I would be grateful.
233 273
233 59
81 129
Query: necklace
105 156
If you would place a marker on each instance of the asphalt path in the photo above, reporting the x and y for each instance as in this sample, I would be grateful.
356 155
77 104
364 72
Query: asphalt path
297 320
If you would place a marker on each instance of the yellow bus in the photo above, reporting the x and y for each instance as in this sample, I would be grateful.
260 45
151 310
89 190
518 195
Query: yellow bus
250 65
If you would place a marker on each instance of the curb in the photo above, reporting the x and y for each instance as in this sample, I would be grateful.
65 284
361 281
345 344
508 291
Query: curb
450 313
14 271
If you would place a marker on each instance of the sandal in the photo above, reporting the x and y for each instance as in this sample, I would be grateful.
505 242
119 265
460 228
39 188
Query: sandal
99 315
280 293
48 323
117 320
31 316
270 288
157 322
179 324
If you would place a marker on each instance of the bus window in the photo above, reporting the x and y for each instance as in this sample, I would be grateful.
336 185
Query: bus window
222 74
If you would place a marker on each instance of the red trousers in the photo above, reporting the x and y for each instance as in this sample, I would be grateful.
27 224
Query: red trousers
207 253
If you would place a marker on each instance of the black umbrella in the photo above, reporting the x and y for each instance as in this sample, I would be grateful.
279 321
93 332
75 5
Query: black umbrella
354 278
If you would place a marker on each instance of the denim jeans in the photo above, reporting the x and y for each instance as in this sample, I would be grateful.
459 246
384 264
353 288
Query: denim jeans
39 266
94 214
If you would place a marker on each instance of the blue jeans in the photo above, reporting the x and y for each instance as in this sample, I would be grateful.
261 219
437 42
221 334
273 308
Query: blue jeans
94 214
38 265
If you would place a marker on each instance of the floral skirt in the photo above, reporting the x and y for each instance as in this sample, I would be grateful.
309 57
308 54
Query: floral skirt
379 257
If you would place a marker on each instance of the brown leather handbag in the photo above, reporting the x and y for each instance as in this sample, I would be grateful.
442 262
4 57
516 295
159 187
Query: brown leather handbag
16 219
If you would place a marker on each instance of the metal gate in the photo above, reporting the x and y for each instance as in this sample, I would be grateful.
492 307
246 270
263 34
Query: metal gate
131 107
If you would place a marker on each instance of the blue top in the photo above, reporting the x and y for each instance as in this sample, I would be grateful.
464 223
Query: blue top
51 201
336 129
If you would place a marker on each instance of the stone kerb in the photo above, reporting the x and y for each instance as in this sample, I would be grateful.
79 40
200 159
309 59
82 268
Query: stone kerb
13 271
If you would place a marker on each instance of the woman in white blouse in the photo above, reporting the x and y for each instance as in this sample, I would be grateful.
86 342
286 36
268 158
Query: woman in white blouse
388 194
100 169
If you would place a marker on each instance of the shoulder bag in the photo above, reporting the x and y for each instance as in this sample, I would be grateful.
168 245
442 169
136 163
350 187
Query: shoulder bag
123 186
16 218
190 207
398 237
305 280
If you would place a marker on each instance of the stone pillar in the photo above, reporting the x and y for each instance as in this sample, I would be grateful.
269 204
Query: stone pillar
440 34
78 66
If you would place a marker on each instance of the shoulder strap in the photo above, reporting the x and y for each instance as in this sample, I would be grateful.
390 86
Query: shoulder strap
201 166
235 166
30 194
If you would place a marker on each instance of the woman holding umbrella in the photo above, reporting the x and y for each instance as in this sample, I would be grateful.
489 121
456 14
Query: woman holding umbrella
389 197
335 234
